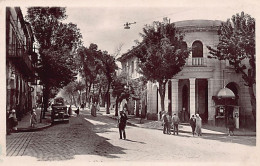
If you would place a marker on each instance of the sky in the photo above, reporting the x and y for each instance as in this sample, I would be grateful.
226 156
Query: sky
104 26
103 23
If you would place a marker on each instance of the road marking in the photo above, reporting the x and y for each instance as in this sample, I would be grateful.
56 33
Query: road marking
95 122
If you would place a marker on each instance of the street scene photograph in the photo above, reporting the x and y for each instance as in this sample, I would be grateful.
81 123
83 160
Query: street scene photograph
130 83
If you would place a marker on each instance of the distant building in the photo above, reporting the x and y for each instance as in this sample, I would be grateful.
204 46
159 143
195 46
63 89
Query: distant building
136 104
20 64
196 88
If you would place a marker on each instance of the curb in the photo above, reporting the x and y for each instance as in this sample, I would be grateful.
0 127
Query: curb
183 131
32 129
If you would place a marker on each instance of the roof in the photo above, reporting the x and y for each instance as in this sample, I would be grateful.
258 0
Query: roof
198 23
187 25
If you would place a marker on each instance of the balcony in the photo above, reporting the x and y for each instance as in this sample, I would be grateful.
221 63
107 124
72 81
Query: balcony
196 62
21 60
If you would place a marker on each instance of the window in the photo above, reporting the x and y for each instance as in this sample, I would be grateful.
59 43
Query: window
197 49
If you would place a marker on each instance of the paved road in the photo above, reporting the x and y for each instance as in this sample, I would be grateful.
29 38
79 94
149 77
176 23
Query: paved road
88 138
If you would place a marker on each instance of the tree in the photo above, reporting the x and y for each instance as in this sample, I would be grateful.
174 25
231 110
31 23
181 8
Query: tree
79 87
57 42
89 62
70 91
120 90
237 45
108 67
161 54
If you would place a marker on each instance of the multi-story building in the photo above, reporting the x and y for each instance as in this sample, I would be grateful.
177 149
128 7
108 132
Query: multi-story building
20 63
136 103
196 88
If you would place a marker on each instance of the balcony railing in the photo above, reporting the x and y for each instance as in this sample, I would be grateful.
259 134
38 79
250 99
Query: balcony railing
21 55
196 62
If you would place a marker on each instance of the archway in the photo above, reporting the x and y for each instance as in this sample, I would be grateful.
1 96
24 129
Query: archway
234 88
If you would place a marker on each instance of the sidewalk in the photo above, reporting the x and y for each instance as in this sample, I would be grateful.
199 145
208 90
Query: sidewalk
183 127
25 126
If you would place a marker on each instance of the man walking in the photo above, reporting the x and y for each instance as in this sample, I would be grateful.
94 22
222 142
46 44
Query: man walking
193 124
122 123
165 123
175 122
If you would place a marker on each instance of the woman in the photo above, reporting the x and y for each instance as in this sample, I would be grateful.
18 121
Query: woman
33 118
13 120
198 125
193 124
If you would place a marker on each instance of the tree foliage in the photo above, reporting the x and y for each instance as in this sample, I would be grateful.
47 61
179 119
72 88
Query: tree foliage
161 54
57 42
108 67
237 45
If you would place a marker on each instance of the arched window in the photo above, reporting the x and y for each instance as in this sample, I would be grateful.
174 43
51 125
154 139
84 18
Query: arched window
197 49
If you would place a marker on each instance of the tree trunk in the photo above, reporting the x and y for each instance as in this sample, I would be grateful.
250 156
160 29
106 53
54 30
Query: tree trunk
116 109
162 94
86 97
74 100
108 99
45 99
253 101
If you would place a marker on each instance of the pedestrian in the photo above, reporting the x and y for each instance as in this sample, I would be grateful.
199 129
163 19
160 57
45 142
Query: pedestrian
165 123
122 123
169 117
77 111
70 110
13 120
175 123
93 110
231 126
198 125
193 124
33 119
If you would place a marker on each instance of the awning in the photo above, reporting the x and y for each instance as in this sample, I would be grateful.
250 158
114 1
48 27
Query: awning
226 93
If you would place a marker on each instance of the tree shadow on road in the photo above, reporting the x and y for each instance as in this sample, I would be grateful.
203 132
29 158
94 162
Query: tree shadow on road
65 141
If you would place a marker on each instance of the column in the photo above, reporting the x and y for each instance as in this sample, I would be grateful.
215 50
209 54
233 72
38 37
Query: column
166 98
192 96
174 99
211 108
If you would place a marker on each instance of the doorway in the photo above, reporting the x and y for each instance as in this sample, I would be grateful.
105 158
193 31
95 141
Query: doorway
185 114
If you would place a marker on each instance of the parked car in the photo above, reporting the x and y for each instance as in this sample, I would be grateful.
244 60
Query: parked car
59 111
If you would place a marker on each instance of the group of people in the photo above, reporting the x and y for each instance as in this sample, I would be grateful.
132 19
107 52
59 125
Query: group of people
170 122
12 121
196 124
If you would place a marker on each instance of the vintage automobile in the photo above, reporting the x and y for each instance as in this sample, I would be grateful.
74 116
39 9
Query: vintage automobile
59 111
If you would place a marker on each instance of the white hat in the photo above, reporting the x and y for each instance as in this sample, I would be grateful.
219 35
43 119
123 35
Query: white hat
13 111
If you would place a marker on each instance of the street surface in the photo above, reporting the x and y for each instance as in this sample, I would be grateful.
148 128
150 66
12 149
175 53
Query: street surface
88 138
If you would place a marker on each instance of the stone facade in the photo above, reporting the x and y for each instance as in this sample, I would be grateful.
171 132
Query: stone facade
20 64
